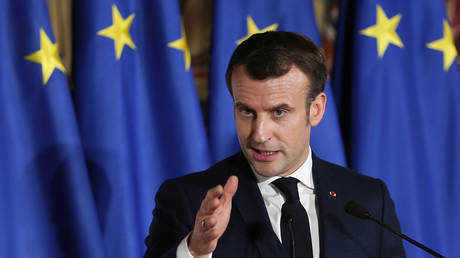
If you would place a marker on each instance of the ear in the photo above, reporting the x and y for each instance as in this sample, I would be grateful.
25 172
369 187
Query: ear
317 109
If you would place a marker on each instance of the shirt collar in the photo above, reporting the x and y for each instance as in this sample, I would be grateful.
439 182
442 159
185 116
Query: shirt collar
303 174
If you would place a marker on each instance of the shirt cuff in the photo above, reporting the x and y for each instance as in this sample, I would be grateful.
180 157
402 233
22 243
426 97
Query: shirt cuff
183 251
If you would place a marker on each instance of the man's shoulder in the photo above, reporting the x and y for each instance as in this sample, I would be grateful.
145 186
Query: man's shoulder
214 175
349 184
193 187
345 175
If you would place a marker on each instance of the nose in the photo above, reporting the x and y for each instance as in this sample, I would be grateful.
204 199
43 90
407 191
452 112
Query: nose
261 131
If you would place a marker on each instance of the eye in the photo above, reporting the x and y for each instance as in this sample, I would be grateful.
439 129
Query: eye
246 112
279 112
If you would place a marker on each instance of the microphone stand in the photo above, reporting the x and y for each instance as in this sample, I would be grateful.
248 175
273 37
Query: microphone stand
357 210
432 252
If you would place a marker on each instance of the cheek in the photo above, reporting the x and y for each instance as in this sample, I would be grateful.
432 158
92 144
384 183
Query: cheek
243 127
294 132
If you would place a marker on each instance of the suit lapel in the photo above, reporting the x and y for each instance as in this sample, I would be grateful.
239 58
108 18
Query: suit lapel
250 205
334 236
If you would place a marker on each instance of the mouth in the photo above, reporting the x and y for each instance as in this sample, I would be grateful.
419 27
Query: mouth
265 152
264 155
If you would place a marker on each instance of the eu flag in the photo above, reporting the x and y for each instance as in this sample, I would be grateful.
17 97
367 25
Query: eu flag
397 81
233 22
46 204
138 110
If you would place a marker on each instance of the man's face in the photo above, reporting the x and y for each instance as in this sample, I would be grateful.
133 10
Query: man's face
272 120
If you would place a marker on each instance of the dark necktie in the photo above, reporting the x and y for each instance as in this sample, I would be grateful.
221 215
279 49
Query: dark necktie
294 215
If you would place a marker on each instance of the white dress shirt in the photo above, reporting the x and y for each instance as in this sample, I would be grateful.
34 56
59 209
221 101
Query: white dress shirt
274 200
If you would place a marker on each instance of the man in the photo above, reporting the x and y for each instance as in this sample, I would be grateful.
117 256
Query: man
276 80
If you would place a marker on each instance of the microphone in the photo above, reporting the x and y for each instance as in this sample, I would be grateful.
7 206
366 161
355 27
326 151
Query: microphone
355 209
289 213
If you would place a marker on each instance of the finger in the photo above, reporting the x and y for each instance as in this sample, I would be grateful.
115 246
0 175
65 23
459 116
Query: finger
208 223
214 192
211 234
211 206
211 200
230 188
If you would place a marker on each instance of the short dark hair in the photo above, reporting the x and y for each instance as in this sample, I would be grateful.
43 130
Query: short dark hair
271 54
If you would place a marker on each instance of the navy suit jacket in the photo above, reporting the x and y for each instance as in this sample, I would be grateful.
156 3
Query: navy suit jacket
249 232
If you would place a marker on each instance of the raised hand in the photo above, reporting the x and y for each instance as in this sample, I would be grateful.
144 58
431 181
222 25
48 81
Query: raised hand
212 218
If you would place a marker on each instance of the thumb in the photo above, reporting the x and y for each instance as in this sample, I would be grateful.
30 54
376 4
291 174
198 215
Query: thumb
230 188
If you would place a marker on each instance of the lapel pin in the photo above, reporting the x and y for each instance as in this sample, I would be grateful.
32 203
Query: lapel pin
333 194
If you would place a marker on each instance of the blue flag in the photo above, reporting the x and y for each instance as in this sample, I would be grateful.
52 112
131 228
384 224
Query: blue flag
138 110
397 81
46 204
233 22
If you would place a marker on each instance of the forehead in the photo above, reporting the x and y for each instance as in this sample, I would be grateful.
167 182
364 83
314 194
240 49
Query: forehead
289 88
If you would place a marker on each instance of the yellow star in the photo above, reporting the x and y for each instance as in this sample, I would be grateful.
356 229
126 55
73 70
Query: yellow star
446 46
181 44
119 31
384 31
47 56
252 29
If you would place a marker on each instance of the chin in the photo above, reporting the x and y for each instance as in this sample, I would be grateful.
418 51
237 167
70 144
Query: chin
267 171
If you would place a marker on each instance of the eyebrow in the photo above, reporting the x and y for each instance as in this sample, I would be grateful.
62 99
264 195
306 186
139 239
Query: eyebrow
241 105
284 106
